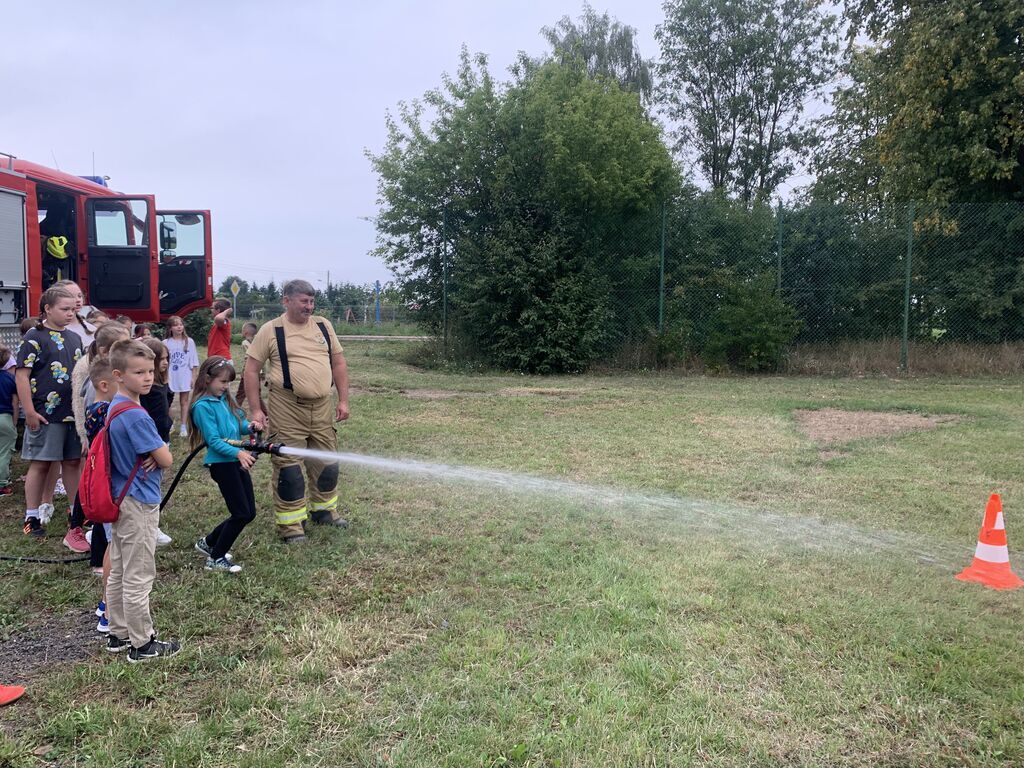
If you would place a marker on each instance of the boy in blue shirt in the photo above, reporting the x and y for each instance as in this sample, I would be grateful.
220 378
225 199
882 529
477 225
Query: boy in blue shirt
135 448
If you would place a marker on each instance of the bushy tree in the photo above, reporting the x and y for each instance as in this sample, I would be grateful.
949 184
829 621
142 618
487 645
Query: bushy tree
511 195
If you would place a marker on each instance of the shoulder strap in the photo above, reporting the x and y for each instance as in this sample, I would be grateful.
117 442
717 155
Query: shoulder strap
120 408
282 353
327 337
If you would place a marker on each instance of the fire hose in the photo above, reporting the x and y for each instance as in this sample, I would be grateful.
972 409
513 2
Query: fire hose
253 444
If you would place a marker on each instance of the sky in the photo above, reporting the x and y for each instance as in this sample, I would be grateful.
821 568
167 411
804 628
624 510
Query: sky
261 112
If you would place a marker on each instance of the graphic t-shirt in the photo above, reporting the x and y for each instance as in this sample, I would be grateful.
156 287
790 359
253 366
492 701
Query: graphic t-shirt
181 359
132 436
51 356
95 418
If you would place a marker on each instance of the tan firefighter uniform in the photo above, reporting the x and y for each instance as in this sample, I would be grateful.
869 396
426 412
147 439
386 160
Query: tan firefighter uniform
301 411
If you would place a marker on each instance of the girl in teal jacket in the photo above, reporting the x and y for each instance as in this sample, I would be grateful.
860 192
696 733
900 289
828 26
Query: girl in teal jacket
215 418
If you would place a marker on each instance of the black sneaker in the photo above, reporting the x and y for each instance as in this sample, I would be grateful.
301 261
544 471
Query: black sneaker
154 649
116 644
206 549
323 517
34 528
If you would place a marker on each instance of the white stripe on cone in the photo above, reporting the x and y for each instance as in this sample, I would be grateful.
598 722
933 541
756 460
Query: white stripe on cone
1000 525
992 553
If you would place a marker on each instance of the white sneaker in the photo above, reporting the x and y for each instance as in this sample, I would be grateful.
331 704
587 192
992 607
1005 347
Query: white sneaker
184 431
88 536
45 512
59 489
162 539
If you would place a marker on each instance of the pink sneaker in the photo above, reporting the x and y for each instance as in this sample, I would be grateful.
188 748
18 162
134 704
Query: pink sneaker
75 541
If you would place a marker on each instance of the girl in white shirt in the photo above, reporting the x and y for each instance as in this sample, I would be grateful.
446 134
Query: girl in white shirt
184 360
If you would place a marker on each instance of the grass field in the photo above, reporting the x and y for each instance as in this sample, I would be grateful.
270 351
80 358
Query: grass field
739 598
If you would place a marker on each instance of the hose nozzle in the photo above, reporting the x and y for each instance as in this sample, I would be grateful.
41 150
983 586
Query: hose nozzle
255 444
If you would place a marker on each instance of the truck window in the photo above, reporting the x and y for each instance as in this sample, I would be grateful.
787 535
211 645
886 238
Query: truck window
189 231
121 223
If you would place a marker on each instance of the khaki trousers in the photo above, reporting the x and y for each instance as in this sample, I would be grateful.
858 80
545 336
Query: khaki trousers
302 423
132 571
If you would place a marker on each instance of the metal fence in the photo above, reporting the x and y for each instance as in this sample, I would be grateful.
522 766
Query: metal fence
759 286
358 317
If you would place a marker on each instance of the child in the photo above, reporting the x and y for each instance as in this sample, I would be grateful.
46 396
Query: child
101 377
143 331
158 406
83 392
80 324
248 332
98 317
214 418
8 414
82 395
125 321
219 340
156 401
134 445
47 355
184 361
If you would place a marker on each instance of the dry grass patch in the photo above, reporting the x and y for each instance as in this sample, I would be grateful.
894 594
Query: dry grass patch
834 426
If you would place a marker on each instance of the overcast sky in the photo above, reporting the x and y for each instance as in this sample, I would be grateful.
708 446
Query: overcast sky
259 111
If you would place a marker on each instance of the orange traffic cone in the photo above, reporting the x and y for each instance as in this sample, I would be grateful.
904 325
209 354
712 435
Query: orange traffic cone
991 565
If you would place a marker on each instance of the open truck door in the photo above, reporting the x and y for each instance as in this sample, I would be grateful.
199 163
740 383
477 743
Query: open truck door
186 261
122 255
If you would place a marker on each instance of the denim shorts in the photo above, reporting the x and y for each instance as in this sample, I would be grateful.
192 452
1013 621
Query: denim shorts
52 442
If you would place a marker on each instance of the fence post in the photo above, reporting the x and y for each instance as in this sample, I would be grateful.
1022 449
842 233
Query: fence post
905 341
778 250
661 278
444 278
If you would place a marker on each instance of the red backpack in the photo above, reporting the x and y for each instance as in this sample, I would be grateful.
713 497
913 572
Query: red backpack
94 488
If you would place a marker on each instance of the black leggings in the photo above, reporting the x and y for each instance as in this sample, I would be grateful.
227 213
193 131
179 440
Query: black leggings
98 546
236 487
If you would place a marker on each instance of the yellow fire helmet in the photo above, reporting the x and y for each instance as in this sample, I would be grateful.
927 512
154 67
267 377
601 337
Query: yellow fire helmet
55 246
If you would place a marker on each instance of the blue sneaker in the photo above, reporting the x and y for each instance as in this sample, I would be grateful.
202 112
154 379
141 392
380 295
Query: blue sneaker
103 625
101 608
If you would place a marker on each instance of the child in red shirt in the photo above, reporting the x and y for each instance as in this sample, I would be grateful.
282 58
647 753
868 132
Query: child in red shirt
219 340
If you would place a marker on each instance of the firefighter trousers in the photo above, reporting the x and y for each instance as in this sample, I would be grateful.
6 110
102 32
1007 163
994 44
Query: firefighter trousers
302 423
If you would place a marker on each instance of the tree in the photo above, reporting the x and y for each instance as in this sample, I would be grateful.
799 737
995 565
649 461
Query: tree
225 287
505 209
945 81
606 47
736 76
434 181
846 160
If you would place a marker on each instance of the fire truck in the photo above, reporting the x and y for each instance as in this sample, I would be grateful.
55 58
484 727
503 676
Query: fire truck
128 257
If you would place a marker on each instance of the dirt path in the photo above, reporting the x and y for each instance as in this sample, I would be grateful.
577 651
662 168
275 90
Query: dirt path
55 639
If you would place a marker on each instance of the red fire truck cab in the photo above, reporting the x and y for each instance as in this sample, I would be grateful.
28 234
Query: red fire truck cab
128 257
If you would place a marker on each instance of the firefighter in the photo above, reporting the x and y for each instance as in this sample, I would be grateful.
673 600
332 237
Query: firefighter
304 360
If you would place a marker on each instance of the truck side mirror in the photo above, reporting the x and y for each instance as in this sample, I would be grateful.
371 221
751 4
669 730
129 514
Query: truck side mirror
168 238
